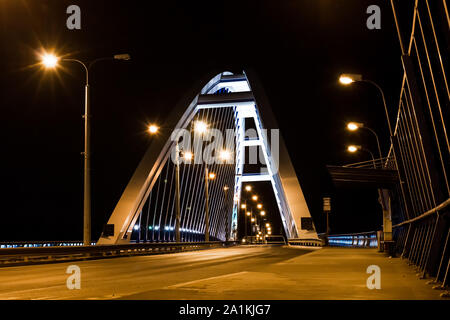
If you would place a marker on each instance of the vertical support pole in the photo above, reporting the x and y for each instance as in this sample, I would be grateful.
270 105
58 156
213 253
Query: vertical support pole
206 205
177 191
328 228
87 169
245 220
387 219
227 236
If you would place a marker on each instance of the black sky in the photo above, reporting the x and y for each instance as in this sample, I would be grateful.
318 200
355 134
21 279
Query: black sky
297 48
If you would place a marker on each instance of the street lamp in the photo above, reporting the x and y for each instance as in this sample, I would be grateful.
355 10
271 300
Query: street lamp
255 198
187 156
225 155
50 61
349 78
247 214
353 126
247 188
153 129
208 176
353 149
225 190
259 206
201 127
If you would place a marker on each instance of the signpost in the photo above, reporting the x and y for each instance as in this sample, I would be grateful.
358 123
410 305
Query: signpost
326 210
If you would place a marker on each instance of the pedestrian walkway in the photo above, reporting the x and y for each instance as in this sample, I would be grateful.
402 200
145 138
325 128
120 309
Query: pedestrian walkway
324 274
340 273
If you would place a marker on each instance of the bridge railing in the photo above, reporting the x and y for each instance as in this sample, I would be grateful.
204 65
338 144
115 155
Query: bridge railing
38 244
420 142
30 255
361 239
368 164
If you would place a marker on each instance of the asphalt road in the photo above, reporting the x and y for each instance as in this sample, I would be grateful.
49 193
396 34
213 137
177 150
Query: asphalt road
252 272
142 277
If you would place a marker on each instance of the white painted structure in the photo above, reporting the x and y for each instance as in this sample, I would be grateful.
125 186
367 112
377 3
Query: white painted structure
247 98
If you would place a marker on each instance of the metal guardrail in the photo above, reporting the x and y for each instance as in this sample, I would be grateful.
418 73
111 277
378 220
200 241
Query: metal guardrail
306 242
37 244
33 255
272 239
368 164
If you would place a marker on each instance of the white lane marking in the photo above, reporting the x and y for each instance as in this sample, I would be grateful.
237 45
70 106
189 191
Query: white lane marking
31 290
205 279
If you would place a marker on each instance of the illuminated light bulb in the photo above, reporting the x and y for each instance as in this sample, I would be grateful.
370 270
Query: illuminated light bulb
353 148
200 126
49 60
153 129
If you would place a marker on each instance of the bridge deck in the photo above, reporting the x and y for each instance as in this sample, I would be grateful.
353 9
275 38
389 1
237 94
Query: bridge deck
253 272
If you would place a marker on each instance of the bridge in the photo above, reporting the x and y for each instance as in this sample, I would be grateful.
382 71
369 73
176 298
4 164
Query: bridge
190 223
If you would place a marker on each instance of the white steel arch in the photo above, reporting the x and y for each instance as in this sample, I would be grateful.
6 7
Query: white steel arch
244 93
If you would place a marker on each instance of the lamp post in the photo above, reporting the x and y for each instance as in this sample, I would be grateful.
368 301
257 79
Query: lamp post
225 190
353 126
201 128
187 155
252 220
51 61
353 149
177 191
247 214
247 188
349 78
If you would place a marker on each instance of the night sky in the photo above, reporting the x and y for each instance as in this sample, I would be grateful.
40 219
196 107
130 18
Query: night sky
297 48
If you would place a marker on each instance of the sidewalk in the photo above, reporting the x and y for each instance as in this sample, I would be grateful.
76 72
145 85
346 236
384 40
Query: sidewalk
324 274
340 273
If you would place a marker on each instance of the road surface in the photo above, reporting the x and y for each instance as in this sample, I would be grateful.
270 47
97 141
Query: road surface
244 272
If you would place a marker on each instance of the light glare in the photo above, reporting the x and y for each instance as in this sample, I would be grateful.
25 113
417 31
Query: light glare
225 155
345 80
49 60
188 155
153 128
200 126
